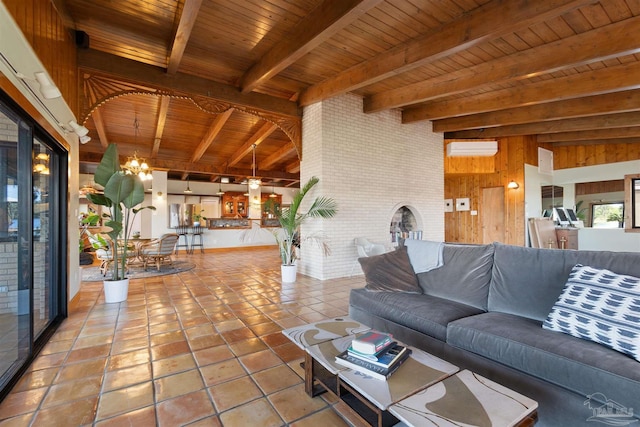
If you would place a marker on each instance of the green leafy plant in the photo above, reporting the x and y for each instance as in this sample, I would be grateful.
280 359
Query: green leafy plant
581 213
291 219
122 192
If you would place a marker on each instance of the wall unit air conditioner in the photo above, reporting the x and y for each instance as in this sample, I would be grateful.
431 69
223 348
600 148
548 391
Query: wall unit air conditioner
472 148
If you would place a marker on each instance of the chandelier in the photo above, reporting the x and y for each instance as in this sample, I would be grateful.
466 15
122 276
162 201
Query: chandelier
254 181
135 165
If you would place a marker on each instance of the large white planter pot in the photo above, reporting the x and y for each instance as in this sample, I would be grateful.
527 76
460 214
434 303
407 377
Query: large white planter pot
288 273
115 290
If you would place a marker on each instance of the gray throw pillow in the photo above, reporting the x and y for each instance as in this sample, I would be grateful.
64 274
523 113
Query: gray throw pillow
390 272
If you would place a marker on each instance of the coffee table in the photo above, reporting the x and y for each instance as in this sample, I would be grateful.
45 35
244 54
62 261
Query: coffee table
425 390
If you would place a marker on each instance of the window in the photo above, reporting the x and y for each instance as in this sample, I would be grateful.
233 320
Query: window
607 215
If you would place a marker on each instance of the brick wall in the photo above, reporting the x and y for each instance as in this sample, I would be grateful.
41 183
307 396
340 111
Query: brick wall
372 164
8 278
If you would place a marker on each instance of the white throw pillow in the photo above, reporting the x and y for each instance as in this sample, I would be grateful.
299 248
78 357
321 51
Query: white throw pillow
600 306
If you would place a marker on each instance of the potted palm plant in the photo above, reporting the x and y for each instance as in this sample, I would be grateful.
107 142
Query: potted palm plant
290 218
122 192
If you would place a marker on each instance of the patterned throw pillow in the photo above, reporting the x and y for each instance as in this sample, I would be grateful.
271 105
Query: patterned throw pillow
390 272
600 306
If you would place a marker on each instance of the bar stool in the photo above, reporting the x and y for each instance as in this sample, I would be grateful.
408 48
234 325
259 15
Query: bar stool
182 231
197 232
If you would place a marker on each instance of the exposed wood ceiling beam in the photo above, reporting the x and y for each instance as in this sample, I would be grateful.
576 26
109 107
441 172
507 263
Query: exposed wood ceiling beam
325 21
598 142
617 102
286 150
622 133
191 85
214 130
604 43
262 133
488 22
567 125
600 81
190 168
99 123
293 167
162 118
63 13
183 32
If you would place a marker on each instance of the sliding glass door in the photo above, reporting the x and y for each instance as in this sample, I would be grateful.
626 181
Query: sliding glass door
32 246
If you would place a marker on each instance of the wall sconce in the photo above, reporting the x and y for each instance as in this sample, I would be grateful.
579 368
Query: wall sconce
512 185
47 89
159 194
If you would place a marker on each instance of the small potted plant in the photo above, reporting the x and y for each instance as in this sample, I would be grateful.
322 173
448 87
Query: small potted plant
290 218
197 217
122 193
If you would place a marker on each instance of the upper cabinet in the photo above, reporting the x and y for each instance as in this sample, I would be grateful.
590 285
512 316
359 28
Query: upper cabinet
234 205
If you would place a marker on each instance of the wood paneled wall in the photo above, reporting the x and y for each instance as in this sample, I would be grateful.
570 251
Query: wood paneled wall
573 156
53 43
466 177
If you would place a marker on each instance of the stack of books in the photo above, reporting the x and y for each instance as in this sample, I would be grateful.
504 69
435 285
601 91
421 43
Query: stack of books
375 354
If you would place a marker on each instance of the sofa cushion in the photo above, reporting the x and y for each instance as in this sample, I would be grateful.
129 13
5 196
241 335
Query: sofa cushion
390 272
578 365
600 306
464 277
528 281
424 313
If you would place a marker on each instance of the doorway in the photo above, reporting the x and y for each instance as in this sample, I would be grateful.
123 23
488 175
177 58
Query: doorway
493 215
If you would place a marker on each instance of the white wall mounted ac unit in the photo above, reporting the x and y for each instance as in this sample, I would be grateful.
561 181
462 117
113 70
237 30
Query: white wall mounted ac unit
472 148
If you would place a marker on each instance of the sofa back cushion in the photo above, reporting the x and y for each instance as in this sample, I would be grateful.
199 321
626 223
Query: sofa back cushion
527 281
464 277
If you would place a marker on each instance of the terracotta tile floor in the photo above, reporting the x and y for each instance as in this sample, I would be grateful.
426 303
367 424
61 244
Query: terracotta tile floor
200 348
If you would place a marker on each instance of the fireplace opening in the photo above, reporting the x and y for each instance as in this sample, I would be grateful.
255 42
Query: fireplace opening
404 225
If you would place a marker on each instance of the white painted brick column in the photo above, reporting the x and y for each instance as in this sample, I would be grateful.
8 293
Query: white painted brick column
371 164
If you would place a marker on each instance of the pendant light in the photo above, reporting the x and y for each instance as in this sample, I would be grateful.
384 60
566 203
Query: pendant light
188 190
254 181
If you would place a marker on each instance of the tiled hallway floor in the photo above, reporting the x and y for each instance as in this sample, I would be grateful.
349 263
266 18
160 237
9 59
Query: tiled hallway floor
200 348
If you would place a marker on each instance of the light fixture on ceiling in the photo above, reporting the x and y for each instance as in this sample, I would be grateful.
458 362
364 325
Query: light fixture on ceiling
254 181
47 89
85 139
273 193
220 192
512 185
135 165
188 189
78 129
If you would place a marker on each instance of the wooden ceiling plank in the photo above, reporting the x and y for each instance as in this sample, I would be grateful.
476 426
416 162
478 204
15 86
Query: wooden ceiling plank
162 118
600 81
99 123
485 23
183 33
214 130
621 133
604 43
617 102
146 75
293 167
281 153
324 22
608 121
257 138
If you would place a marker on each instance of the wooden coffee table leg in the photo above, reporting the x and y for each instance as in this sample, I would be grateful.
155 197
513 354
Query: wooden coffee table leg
308 374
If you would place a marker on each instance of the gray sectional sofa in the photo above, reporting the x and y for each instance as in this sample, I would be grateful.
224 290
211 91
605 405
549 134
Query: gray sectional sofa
483 310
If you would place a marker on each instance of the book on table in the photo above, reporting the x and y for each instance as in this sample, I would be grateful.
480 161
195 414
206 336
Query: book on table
371 342
385 357
368 368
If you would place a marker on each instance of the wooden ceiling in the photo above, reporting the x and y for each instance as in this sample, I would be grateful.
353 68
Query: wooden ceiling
208 79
